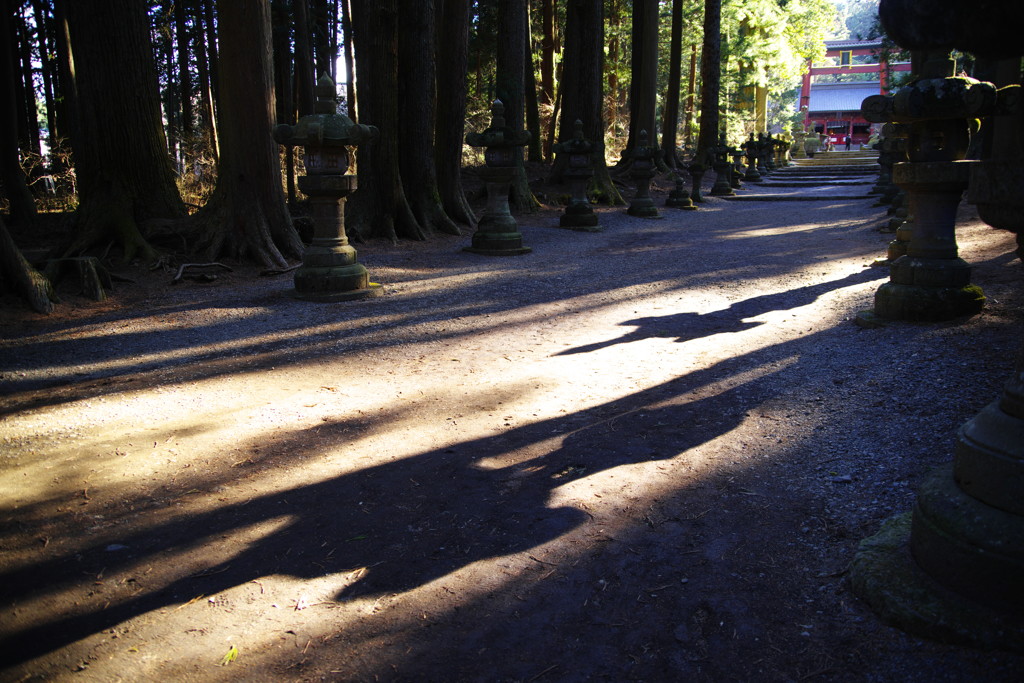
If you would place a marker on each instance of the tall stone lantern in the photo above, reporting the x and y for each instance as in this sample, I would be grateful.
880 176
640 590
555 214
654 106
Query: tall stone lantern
329 271
642 171
931 282
578 214
497 233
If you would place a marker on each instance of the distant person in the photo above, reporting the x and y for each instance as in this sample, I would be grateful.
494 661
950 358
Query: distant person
849 141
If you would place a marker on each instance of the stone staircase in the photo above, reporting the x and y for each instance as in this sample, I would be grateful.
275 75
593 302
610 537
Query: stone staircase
825 176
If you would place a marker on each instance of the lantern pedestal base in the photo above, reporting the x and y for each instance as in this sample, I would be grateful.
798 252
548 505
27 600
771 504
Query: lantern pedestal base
579 217
885 575
330 272
372 290
643 208
498 244
923 289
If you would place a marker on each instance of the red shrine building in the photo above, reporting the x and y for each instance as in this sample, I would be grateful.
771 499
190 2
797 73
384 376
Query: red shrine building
832 91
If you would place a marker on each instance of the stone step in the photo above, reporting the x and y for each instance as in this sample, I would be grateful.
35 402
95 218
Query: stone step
820 171
834 161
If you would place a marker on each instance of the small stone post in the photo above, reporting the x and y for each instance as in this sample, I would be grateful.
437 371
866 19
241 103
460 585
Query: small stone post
679 198
642 171
329 271
578 214
497 233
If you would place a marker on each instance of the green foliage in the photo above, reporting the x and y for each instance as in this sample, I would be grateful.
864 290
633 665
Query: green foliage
767 45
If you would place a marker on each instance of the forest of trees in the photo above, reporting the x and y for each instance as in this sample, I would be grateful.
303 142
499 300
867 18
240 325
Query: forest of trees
151 119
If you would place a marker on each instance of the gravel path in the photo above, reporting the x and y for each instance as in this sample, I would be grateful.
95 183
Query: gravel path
642 454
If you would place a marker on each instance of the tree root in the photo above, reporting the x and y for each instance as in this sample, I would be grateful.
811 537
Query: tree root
184 266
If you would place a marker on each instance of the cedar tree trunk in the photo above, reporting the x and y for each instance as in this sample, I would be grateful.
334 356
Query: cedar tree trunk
582 92
379 207
644 78
450 128
246 217
417 102
121 162
670 117
23 205
511 67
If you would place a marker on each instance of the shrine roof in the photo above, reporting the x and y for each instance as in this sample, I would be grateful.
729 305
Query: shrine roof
852 44
829 97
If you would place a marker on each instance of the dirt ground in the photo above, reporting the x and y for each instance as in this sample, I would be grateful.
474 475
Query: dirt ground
642 454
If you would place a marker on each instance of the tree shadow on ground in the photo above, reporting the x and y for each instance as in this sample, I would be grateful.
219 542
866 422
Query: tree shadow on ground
687 326
406 522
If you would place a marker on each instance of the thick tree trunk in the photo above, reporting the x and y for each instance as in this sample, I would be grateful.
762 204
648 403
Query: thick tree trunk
417 102
379 208
450 129
18 275
23 205
644 80
670 115
247 218
581 89
511 65
305 75
711 79
121 162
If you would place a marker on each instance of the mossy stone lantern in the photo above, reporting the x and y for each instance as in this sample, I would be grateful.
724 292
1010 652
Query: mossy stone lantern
578 214
497 233
750 148
642 171
329 271
723 168
931 282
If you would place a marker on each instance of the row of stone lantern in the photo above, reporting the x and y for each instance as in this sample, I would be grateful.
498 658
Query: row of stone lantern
330 270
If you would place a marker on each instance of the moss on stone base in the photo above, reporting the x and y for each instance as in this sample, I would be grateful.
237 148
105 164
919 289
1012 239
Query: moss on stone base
885 576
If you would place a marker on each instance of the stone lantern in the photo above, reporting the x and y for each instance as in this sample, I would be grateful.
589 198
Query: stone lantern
764 149
578 214
737 167
750 148
931 282
642 171
799 136
723 169
951 569
329 271
497 233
